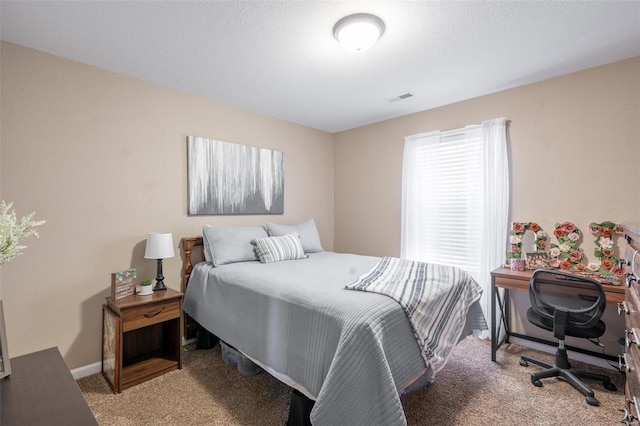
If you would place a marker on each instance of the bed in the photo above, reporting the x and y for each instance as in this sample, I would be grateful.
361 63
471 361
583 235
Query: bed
354 353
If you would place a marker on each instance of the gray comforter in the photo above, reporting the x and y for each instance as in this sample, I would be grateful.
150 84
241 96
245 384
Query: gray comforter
355 353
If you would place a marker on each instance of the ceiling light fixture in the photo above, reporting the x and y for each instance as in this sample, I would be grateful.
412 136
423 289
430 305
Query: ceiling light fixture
358 32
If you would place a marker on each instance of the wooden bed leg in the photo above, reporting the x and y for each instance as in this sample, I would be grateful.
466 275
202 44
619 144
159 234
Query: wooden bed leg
188 245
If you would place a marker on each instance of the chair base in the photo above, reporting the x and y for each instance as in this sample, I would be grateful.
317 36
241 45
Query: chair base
563 370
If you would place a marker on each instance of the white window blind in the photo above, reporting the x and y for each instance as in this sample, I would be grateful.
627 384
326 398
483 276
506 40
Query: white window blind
447 197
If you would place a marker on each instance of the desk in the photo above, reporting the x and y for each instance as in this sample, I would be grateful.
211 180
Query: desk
42 391
515 280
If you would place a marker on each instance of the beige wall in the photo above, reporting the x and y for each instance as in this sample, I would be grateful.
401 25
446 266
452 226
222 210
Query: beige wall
575 150
574 147
102 158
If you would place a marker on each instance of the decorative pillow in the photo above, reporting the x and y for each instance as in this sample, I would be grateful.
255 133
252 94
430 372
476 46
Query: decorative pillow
307 230
276 249
224 245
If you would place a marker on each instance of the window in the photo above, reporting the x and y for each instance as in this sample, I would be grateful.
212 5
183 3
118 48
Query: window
446 198
455 200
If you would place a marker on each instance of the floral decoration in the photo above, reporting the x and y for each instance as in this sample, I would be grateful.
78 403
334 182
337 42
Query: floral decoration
516 234
604 278
565 255
604 248
12 231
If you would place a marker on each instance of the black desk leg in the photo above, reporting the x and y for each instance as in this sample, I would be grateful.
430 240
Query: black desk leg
502 321
494 323
506 315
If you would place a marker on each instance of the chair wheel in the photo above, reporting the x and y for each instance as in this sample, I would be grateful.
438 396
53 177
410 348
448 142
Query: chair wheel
610 386
592 401
537 383
524 363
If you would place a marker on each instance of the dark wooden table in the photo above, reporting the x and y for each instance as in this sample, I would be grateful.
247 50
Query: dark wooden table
42 391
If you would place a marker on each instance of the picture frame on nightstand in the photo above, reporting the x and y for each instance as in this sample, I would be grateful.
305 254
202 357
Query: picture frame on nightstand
123 283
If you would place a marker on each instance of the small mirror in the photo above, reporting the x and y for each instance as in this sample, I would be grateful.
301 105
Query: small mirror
529 242
5 367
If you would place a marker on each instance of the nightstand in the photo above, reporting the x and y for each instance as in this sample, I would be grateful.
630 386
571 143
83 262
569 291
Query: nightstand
141 337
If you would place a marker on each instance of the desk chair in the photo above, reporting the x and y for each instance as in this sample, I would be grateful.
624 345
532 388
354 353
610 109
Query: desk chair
568 305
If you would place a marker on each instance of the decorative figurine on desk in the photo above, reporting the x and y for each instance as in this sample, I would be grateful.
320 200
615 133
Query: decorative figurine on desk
518 264
519 230
605 246
537 260
566 255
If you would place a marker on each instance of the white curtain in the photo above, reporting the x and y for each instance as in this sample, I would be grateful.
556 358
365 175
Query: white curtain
426 225
496 208
411 212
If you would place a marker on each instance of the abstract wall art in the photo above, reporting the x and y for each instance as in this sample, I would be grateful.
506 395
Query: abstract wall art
226 178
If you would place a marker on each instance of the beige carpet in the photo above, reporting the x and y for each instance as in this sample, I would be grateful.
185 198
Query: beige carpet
470 390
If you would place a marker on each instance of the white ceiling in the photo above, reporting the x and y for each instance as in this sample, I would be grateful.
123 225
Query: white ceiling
279 57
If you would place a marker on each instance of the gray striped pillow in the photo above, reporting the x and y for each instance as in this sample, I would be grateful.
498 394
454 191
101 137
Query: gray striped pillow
276 249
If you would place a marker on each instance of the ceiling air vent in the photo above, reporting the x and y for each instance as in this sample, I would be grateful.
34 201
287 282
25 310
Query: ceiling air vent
401 97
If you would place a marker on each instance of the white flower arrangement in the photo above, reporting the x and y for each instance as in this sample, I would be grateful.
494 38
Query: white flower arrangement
13 231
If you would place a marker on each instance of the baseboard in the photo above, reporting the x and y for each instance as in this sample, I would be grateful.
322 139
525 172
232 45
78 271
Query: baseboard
87 370
572 355
96 367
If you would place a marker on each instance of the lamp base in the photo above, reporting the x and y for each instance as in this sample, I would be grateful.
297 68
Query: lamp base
159 286
159 278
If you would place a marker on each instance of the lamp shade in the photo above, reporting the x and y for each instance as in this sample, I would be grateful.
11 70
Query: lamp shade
358 32
159 246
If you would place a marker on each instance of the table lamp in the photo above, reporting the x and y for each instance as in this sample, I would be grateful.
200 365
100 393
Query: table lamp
159 246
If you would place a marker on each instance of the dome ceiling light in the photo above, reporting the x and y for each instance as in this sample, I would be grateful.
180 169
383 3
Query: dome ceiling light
358 32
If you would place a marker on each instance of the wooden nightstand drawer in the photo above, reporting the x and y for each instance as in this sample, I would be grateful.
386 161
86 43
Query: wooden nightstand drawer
145 315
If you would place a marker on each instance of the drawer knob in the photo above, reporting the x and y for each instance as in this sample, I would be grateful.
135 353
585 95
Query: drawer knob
623 365
631 337
631 278
623 307
152 314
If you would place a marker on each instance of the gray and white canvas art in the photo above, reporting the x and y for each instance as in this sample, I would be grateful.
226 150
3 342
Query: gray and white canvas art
227 178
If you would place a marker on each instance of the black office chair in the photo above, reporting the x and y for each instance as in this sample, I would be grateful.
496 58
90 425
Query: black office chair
568 305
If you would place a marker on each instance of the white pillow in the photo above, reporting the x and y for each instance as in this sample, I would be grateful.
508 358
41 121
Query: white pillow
277 249
307 230
227 244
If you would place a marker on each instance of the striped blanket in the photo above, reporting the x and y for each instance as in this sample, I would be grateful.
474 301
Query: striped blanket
436 299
